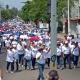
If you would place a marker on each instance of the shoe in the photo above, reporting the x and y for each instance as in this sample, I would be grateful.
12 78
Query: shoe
7 71
22 66
11 72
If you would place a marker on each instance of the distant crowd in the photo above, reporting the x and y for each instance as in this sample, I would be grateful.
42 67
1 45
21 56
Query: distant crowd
30 48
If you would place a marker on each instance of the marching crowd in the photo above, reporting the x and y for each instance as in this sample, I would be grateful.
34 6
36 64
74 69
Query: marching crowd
17 51
22 52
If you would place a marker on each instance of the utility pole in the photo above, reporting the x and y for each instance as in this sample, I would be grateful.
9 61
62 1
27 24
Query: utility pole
53 25
0 12
68 17
78 9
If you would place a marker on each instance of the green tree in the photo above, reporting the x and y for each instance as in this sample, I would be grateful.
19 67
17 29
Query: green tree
37 9
7 13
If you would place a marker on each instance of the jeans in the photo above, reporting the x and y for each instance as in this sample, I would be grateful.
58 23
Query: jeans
41 69
58 60
75 60
68 58
48 62
12 65
33 62
21 58
27 63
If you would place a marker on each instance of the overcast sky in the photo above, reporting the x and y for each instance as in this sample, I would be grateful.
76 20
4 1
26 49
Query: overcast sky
13 3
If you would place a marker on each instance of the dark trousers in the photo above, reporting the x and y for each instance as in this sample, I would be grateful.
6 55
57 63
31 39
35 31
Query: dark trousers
0 49
59 60
33 62
41 69
67 58
48 62
21 56
10 64
17 65
75 60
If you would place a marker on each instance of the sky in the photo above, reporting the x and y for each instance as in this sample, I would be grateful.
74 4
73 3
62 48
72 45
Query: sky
13 3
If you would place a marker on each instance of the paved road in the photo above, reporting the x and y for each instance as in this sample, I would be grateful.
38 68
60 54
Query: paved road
65 74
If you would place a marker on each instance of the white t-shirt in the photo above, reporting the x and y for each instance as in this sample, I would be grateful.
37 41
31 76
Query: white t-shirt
72 48
48 55
14 43
42 58
7 43
34 52
76 51
10 56
66 50
20 49
15 53
24 43
58 51
27 54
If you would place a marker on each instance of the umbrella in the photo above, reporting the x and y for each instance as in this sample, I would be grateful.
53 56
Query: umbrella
34 38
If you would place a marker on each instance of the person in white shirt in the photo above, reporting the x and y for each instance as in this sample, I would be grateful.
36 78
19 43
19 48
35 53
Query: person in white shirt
75 55
59 53
7 42
16 57
34 52
27 57
67 55
10 59
41 58
48 56
14 43
20 53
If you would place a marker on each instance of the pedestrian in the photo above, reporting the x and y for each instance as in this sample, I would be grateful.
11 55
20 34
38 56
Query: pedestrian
34 52
20 53
59 55
67 55
27 57
41 57
16 57
10 59
75 55
48 57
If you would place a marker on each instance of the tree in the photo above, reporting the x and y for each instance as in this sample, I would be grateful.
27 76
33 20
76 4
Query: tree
37 9
9 13
5 14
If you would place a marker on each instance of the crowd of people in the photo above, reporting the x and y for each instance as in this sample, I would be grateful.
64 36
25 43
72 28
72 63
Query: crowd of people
24 51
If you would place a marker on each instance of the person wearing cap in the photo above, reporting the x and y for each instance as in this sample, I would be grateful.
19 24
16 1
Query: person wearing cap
67 55
10 59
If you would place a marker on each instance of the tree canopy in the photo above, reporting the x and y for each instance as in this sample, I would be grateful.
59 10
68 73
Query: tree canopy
7 13
36 9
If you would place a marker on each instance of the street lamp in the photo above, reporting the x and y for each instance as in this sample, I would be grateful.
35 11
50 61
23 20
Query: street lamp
68 17
0 12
